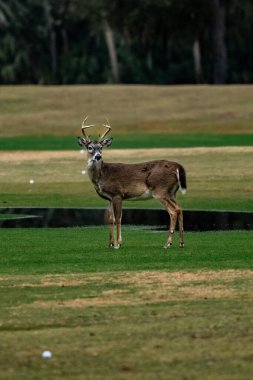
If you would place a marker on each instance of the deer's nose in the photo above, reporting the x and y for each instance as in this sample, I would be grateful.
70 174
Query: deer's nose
98 156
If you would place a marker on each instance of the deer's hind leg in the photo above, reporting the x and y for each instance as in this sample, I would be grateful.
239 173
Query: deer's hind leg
181 228
173 210
180 221
170 207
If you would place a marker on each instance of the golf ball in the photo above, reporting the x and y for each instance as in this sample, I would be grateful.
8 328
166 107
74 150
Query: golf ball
83 172
46 354
31 181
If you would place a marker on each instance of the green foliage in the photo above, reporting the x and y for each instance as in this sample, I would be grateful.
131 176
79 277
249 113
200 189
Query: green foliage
241 35
13 60
64 41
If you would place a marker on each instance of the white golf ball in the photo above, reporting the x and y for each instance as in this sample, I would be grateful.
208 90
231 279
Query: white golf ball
83 171
46 354
31 181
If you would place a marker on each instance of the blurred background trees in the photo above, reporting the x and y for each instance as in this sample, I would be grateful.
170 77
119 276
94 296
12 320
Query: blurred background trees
126 41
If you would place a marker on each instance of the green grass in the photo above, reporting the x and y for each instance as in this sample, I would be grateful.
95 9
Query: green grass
91 199
217 179
12 216
49 118
41 251
141 311
169 140
192 340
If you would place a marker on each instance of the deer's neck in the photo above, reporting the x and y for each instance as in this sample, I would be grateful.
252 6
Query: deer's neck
94 170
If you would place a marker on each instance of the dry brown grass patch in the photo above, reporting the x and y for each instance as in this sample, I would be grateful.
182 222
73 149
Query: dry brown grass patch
58 110
47 167
19 156
132 288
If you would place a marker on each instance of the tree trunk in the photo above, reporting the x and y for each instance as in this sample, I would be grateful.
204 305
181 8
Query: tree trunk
65 40
149 60
52 38
110 43
219 42
197 61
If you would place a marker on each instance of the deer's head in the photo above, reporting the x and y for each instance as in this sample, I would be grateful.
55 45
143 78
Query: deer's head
94 148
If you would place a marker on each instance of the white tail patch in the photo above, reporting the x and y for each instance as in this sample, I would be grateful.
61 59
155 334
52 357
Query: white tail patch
183 191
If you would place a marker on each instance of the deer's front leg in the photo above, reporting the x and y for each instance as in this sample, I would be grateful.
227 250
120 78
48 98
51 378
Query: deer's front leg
111 225
117 210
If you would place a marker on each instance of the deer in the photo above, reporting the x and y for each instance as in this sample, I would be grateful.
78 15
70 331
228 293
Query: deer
117 182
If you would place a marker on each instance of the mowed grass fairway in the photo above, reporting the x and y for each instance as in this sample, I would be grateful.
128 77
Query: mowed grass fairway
141 312
48 117
132 110
148 122
218 178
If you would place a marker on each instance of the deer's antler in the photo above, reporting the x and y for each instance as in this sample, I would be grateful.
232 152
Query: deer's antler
108 128
86 126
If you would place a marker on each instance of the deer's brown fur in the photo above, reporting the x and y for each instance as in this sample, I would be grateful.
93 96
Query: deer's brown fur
117 182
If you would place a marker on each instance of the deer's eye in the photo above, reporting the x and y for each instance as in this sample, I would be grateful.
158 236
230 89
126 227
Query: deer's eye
90 149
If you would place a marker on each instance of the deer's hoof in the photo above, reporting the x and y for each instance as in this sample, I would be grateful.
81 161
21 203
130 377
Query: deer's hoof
181 245
167 245
116 246
111 245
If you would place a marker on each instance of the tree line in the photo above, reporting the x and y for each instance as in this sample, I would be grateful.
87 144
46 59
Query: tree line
126 41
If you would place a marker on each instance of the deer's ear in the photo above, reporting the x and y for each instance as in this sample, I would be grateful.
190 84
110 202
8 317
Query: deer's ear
106 142
82 142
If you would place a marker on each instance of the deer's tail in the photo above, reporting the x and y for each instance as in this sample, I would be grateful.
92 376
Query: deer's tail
181 176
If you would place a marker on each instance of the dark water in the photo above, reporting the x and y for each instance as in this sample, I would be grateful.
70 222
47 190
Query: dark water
153 218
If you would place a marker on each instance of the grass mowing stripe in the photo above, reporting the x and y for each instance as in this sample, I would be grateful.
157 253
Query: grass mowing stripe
92 200
75 250
182 140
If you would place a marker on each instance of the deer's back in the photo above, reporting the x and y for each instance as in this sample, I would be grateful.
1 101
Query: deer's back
133 181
